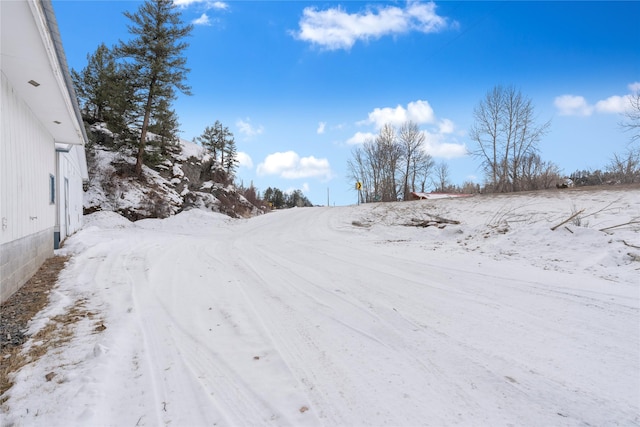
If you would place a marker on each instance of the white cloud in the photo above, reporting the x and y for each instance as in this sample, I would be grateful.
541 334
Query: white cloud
219 5
203 20
446 126
290 165
571 105
613 104
361 138
438 141
244 160
574 105
334 28
247 129
186 3
437 146
418 111
321 128
207 3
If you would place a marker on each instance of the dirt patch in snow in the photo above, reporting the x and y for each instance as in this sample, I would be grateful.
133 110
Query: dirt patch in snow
17 311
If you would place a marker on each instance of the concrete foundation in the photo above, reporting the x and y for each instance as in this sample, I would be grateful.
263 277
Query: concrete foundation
20 259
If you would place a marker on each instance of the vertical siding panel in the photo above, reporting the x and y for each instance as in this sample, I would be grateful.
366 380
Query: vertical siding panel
5 155
28 158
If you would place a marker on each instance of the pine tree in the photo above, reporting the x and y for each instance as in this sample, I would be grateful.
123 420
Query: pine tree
220 143
105 90
157 53
165 125
123 109
231 157
208 139
227 147
94 83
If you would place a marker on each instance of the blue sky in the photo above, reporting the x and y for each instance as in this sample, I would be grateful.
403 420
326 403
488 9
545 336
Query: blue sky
301 83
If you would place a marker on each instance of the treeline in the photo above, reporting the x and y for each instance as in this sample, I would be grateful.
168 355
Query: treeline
622 169
394 164
274 198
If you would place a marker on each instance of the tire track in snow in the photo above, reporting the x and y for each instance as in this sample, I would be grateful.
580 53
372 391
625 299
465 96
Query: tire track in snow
485 299
288 277
176 362
225 382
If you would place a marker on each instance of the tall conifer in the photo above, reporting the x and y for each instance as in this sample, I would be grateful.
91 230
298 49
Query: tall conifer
157 53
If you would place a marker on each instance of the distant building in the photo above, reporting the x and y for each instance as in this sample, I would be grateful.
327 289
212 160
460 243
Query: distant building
42 158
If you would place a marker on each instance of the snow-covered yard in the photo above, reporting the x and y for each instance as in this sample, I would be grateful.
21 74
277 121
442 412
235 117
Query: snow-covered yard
346 316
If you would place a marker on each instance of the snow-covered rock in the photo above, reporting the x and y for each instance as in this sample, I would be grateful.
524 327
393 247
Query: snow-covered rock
188 178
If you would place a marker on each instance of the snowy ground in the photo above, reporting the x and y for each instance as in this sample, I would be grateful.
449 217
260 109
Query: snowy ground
344 316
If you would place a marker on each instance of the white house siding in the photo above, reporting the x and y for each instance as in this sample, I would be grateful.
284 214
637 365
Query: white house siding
71 177
27 161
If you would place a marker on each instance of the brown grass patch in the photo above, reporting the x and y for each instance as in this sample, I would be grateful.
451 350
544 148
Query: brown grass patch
54 335
15 314
20 308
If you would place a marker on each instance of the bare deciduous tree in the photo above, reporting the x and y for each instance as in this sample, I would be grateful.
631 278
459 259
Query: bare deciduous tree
389 154
393 163
535 174
505 133
632 117
442 177
412 143
625 169
421 170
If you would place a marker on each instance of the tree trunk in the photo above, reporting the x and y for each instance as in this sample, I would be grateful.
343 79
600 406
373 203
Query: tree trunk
143 134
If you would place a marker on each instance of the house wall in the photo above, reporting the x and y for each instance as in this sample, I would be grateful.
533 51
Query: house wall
27 215
70 193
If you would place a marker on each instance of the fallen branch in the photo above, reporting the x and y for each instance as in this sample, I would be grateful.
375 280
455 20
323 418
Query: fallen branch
435 221
567 220
630 245
620 225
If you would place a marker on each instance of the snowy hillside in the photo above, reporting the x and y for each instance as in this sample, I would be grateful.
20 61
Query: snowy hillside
187 179
519 309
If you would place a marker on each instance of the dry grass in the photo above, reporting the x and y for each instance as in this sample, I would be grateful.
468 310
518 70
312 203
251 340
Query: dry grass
55 334
32 297
22 307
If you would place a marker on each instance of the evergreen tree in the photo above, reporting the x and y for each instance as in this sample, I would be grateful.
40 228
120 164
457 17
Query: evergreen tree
91 83
123 109
157 54
219 141
106 93
275 197
297 199
207 140
224 138
165 125
231 157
